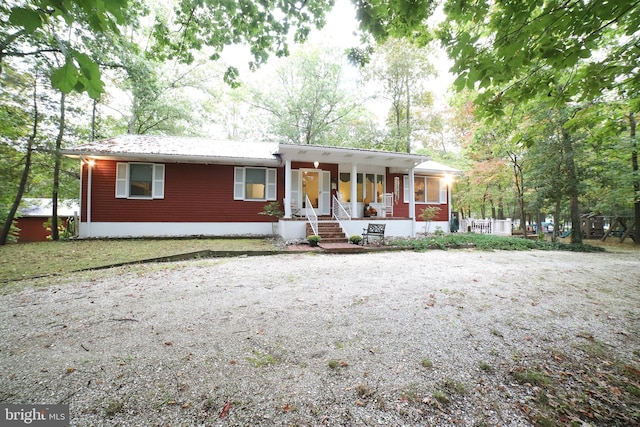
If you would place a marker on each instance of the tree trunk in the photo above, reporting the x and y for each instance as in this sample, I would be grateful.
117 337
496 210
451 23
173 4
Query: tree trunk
636 181
55 235
556 221
519 181
572 187
406 82
25 172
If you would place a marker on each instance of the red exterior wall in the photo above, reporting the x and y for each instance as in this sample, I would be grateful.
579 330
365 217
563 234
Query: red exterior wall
200 193
32 229
192 193
401 209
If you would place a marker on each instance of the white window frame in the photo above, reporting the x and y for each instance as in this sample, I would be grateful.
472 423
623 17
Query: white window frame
442 190
123 186
239 184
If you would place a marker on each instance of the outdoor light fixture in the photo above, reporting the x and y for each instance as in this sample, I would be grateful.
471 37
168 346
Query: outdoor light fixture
316 164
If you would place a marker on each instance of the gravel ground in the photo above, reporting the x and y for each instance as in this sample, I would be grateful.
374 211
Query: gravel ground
390 338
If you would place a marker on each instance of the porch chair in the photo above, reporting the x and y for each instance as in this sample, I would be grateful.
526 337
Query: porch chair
346 205
295 209
387 204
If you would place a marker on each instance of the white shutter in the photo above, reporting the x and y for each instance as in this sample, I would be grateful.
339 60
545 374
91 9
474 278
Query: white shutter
272 184
238 184
443 191
158 182
295 189
405 180
122 171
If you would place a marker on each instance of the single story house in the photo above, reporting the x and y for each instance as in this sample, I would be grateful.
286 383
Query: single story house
36 212
138 185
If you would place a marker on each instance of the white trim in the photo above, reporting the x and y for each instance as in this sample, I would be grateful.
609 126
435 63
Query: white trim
288 229
173 229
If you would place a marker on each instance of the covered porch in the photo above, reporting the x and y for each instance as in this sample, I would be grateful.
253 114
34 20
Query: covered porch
348 186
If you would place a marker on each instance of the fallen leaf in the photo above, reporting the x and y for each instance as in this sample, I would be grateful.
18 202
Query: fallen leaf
70 370
225 410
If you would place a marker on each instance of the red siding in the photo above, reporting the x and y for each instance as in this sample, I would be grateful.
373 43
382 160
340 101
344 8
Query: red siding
32 229
192 193
401 209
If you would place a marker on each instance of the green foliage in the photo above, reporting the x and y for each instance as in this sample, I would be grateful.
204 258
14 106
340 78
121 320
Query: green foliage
355 239
267 27
259 359
272 209
314 239
590 44
307 103
489 242
33 26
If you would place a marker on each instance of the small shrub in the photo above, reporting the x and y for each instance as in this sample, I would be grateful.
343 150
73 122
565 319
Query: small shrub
314 239
355 239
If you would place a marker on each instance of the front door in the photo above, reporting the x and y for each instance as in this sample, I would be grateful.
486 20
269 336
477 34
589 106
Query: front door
316 186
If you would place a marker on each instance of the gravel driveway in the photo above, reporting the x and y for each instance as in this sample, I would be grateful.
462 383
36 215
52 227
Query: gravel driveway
392 338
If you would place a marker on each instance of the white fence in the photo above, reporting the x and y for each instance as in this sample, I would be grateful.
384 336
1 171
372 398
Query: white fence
500 227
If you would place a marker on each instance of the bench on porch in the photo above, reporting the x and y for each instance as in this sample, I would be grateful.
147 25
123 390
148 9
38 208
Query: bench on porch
376 230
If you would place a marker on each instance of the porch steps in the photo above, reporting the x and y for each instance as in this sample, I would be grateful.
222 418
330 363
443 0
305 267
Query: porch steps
330 232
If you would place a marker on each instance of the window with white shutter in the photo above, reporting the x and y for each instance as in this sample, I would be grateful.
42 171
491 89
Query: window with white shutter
140 180
255 184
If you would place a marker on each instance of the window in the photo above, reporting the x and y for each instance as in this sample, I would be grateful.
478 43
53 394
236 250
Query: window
254 184
369 186
139 181
426 190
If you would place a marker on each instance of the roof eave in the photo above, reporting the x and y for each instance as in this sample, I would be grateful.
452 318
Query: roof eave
172 158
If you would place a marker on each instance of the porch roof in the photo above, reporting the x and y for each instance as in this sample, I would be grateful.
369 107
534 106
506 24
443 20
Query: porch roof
346 155
435 168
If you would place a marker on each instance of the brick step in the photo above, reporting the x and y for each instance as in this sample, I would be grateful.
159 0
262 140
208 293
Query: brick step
330 232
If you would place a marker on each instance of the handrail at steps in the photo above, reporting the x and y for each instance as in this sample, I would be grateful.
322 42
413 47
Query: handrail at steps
340 213
312 217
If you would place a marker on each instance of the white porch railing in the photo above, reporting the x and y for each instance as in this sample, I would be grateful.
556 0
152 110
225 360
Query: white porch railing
500 227
312 217
340 213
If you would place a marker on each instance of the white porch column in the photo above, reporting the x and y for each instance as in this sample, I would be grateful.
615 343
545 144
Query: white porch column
449 185
354 191
287 188
412 201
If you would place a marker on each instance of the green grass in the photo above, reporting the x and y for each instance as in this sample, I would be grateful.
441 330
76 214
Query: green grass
29 260
260 359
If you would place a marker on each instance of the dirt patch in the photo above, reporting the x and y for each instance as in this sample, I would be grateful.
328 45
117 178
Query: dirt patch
401 338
